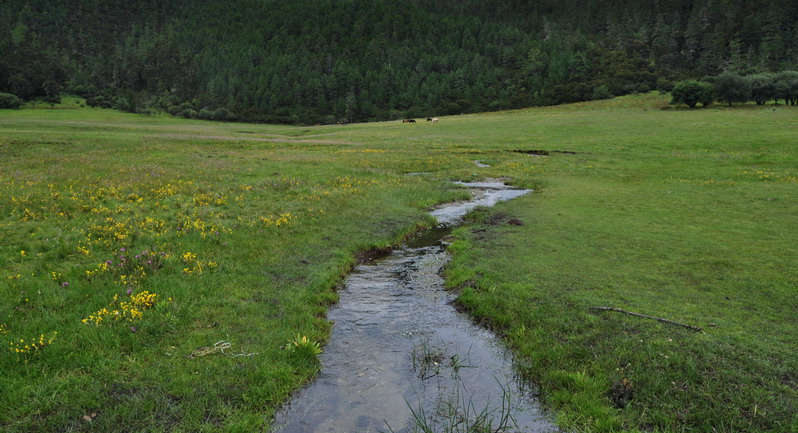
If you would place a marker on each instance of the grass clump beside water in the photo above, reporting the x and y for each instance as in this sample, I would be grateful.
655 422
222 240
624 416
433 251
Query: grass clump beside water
174 274
458 413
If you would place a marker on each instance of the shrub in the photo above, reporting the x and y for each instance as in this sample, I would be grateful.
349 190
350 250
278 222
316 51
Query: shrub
223 114
205 114
451 108
664 85
122 103
601 92
8 100
732 88
52 100
786 87
188 113
692 92
99 101
185 106
762 88
707 97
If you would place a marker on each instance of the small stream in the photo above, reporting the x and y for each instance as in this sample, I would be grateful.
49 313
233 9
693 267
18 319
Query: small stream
399 351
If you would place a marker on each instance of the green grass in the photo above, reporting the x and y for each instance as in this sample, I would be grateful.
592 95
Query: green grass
682 214
686 215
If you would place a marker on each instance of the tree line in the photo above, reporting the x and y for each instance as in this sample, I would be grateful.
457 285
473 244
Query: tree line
730 88
310 61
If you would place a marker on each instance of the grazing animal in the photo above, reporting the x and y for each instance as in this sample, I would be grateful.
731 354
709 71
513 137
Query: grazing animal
429 119
434 120
408 120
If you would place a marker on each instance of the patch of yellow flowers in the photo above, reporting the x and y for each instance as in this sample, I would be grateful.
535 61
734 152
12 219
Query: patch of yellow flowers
283 219
109 233
203 199
27 348
195 266
102 267
124 310
351 184
773 177
132 279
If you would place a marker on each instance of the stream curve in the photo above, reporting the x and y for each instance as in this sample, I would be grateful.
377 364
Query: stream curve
400 354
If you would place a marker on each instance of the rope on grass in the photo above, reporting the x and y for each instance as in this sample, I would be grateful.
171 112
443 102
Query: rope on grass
659 319
236 355
219 346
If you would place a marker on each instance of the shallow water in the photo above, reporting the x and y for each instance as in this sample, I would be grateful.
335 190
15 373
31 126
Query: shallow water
399 347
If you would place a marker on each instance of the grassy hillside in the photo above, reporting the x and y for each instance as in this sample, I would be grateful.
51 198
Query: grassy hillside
196 233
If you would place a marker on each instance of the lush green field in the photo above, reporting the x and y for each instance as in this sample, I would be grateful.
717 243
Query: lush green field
239 233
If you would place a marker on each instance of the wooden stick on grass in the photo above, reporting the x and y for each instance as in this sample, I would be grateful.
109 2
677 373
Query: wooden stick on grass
660 319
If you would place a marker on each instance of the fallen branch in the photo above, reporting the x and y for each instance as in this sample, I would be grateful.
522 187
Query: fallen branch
659 319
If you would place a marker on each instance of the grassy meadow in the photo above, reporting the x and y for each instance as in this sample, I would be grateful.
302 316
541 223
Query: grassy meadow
161 274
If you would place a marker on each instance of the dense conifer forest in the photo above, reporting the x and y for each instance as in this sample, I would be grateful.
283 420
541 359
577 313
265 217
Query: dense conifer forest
311 61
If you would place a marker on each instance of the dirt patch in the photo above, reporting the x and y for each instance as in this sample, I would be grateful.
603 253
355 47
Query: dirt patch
39 142
503 218
372 254
121 392
621 393
533 152
497 219
482 235
541 152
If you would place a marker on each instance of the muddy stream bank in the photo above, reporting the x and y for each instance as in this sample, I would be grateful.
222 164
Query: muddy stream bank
400 352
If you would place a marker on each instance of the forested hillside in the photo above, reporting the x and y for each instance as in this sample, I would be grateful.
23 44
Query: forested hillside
310 61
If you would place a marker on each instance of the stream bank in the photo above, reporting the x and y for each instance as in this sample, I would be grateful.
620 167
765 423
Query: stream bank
400 356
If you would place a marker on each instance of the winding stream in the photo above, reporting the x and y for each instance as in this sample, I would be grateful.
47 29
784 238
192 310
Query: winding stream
399 350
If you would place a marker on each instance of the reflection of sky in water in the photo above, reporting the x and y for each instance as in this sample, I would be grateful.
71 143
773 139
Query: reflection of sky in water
388 309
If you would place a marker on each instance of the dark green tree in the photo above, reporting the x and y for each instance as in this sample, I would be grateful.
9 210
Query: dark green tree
731 88
786 87
52 92
691 92
762 88
8 100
